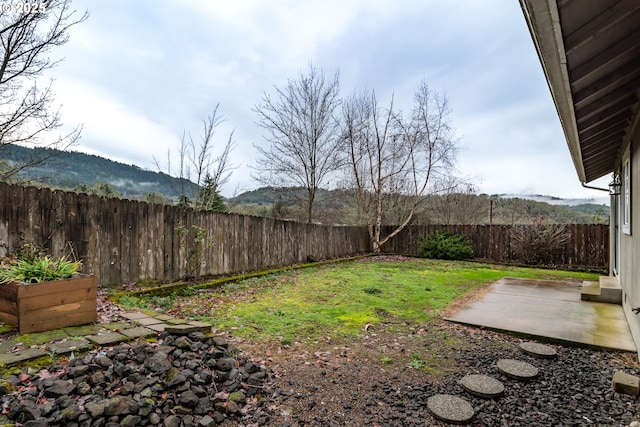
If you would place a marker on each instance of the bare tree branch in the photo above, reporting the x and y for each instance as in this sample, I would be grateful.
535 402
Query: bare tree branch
198 161
455 201
28 32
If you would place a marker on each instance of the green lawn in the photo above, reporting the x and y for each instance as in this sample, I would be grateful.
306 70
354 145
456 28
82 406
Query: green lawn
339 299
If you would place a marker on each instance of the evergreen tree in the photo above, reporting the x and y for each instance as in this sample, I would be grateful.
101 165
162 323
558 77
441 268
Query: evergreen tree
208 197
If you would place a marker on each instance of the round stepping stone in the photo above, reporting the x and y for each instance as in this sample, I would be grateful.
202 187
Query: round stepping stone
482 386
539 350
450 409
517 369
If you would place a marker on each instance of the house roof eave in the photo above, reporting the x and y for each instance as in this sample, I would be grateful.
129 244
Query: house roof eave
543 20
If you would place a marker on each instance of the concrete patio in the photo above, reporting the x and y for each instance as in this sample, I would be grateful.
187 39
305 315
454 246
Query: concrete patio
548 309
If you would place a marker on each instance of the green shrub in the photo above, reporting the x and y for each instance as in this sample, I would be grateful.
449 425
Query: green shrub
444 245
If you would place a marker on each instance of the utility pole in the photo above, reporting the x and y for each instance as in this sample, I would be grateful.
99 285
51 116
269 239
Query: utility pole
490 212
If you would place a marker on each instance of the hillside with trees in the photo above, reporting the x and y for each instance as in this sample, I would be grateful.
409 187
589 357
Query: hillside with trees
81 172
339 207
87 173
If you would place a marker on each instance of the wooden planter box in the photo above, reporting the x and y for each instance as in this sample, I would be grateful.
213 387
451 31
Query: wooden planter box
51 305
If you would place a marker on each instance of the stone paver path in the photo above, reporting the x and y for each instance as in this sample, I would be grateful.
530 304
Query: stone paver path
444 407
456 410
63 341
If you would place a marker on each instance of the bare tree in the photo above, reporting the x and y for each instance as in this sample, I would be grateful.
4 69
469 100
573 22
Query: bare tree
390 155
201 172
303 136
510 211
457 202
28 32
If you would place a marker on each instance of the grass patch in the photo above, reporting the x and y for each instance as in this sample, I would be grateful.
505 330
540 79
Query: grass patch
339 299
417 362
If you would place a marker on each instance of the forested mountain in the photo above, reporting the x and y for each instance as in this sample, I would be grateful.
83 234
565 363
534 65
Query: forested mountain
73 170
77 171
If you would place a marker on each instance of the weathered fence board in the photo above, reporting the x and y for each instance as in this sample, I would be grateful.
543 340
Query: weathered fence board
587 244
123 241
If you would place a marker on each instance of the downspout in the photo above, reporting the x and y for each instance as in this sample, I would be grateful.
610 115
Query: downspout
612 239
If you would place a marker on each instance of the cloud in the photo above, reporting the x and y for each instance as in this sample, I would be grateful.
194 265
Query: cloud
139 73
111 128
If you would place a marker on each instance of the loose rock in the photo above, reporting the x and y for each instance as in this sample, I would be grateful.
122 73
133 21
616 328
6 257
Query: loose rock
169 383
315 390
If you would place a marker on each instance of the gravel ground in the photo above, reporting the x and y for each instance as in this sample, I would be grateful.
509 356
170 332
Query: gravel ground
199 381
573 389
381 378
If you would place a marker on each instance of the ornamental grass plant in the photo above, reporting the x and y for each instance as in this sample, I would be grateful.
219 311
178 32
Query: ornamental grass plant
37 269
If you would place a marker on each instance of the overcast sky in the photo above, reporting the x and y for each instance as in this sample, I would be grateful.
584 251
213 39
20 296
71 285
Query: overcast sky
138 73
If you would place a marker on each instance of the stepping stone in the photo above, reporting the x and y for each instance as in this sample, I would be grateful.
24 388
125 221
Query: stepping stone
517 369
21 356
186 329
175 321
108 338
8 346
158 327
164 317
114 326
81 331
450 409
205 328
538 350
134 316
482 386
69 346
138 332
146 321
40 338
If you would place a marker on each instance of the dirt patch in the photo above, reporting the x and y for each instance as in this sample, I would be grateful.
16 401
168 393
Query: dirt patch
386 258
333 381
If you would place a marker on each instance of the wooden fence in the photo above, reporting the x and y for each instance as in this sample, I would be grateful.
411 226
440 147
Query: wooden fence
123 241
587 244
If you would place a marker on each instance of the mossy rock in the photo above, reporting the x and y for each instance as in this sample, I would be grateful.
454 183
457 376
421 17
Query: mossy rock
237 396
